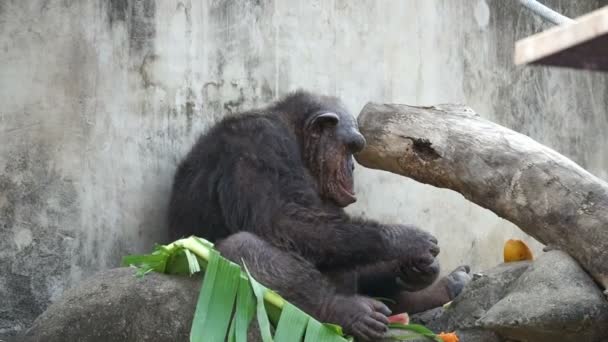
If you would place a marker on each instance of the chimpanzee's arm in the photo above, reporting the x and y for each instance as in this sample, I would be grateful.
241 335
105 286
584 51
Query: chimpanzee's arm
257 198
334 240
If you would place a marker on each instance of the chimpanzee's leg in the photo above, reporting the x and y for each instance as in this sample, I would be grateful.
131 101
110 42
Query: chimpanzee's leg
302 284
440 292
423 292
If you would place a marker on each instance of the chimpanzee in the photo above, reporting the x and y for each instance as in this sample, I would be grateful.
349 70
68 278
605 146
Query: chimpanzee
269 187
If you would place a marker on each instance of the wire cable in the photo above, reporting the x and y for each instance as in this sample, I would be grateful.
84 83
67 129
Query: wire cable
545 12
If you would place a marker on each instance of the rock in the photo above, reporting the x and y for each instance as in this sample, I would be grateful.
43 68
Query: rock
482 293
467 335
476 298
553 300
434 319
549 299
114 305
478 335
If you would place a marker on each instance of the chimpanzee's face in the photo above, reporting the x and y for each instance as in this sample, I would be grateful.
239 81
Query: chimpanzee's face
332 138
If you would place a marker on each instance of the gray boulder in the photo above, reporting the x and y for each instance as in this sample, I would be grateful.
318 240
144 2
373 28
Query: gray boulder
480 295
553 300
116 306
550 299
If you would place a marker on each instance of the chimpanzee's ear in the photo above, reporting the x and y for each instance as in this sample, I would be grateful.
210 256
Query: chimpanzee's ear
325 118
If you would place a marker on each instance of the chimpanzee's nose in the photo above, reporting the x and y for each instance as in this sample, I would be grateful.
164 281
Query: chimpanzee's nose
356 142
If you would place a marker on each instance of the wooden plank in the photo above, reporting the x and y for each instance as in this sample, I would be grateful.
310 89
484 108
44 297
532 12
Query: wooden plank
582 44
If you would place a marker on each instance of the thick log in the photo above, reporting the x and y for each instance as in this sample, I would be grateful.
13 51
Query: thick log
449 146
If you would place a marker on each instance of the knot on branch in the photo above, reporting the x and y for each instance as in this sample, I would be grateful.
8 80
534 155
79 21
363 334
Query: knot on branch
423 149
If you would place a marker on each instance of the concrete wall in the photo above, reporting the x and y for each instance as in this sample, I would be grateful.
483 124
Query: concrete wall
100 99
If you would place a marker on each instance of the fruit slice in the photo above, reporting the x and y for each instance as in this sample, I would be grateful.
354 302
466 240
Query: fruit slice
448 337
401 318
516 250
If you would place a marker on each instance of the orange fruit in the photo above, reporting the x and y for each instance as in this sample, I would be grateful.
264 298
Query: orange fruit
516 250
448 337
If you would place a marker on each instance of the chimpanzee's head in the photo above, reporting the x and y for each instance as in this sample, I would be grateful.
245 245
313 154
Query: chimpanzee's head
328 136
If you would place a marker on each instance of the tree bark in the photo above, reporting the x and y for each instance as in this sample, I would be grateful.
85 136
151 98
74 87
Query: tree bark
541 191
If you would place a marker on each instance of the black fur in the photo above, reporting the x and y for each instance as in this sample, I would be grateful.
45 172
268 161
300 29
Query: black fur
268 186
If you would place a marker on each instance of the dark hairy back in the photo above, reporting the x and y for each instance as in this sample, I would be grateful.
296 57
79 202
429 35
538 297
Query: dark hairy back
201 201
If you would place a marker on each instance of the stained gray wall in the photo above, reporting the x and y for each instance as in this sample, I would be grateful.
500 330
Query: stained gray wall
100 99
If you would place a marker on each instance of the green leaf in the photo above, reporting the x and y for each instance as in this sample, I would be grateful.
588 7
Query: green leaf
205 243
259 290
142 271
273 312
317 332
336 328
409 337
292 324
231 333
193 265
421 329
156 261
216 300
200 247
245 309
417 329
178 263
224 284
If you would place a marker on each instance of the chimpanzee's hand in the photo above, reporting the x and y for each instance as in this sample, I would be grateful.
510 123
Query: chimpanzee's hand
364 318
417 264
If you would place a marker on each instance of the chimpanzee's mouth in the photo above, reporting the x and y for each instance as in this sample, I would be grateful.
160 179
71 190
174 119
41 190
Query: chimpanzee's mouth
346 184
345 196
348 190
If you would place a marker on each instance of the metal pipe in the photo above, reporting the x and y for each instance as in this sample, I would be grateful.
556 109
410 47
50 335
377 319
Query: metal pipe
545 12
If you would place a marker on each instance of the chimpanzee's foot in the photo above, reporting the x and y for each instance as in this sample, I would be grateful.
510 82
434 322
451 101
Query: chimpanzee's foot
456 280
